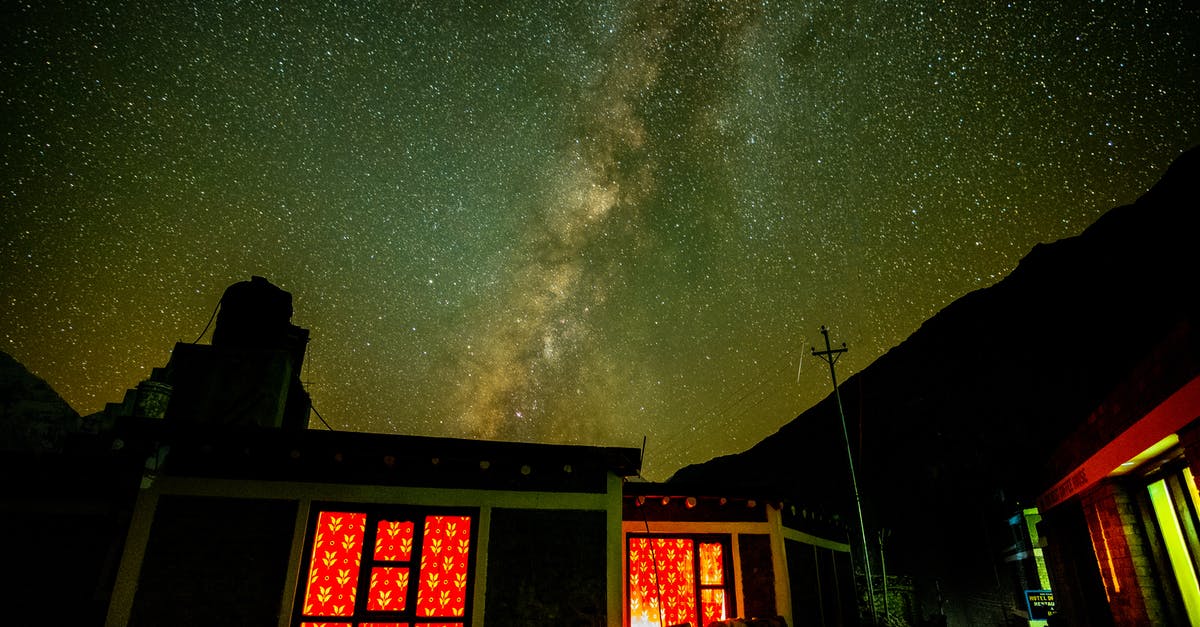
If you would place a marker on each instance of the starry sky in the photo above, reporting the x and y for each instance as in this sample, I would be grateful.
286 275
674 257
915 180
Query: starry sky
561 221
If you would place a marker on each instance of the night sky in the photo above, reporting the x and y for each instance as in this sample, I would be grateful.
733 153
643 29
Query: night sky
581 222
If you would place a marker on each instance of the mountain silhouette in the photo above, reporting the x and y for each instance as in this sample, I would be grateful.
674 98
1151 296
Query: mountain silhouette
33 417
954 430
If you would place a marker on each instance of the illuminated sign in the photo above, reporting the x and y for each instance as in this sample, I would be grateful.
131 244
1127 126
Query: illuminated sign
1040 603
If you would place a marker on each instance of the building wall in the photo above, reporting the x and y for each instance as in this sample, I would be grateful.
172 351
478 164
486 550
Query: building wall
821 586
1120 478
761 571
157 543
1079 593
1110 535
1119 544
548 567
778 571
197 546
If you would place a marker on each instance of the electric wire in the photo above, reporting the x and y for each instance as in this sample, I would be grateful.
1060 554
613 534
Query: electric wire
314 410
763 385
732 410
210 321
657 576
653 556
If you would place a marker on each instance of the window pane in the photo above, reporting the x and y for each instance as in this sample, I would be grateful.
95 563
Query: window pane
1177 551
333 573
389 589
713 602
661 575
712 567
1190 480
643 597
445 548
393 541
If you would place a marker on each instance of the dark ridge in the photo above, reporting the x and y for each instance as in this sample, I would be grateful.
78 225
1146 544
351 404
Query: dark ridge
33 417
959 421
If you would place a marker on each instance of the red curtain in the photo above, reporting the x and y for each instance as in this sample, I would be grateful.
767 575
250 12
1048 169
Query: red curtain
661 568
445 548
333 573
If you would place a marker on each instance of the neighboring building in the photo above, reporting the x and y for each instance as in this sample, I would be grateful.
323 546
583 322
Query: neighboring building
1120 518
1026 561
695 557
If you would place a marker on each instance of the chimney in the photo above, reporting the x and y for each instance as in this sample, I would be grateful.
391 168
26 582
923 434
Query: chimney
250 375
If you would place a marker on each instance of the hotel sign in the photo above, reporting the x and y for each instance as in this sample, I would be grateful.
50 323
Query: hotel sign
1040 604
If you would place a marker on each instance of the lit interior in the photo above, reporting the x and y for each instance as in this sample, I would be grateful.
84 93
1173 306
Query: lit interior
393 541
1190 480
1155 450
380 624
661 578
713 604
662 582
711 566
712 572
1177 551
445 548
388 590
333 571
336 563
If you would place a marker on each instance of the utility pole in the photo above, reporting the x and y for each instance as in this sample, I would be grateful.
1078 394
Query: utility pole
884 533
831 355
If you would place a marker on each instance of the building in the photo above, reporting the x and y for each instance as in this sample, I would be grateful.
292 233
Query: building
1120 514
202 498
300 528
698 557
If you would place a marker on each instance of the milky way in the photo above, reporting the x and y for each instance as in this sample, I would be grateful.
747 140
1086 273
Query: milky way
581 222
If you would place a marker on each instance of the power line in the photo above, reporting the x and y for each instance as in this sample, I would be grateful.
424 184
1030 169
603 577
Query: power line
314 410
210 321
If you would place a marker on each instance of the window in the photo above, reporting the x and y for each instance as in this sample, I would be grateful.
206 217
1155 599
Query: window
1172 501
670 578
386 568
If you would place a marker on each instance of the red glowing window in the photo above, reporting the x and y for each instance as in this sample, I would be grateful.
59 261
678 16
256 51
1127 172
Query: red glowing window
365 568
393 541
712 582
376 624
671 579
444 551
333 568
389 590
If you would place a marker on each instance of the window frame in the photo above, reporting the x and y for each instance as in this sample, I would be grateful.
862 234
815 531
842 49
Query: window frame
727 563
361 616
1171 470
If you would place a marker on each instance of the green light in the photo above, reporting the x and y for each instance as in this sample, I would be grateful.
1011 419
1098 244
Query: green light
1181 562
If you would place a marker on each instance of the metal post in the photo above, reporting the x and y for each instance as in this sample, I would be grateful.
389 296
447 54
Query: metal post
831 355
883 533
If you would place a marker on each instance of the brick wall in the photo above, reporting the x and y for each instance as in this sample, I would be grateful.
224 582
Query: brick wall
1123 555
1074 574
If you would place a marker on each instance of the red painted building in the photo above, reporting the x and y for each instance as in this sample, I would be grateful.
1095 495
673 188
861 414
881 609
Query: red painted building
1120 516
